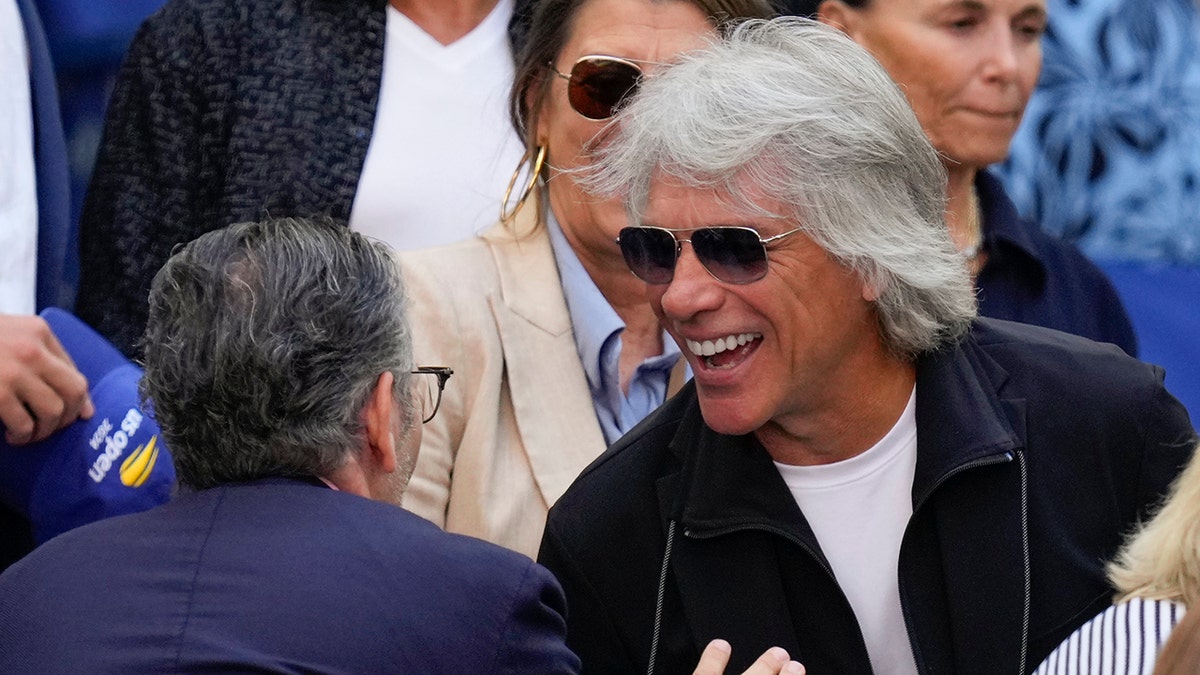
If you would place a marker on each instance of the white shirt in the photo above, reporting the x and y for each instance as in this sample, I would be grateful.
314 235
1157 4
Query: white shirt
18 182
442 150
858 509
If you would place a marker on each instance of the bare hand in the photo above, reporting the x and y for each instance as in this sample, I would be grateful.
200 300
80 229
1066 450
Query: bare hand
774 661
41 391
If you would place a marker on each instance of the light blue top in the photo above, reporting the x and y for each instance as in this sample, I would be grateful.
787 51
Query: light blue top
597 331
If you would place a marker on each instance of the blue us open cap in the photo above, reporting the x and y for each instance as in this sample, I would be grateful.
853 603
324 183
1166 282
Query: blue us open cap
112 464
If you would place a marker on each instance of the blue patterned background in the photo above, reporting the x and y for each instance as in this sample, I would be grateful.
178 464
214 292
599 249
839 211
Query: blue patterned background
1108 154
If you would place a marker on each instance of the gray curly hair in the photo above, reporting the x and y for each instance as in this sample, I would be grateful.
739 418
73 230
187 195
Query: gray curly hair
263 343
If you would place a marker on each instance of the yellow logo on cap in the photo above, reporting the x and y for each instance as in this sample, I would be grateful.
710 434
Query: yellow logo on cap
137 466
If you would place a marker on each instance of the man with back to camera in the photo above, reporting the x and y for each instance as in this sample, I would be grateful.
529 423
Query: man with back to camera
861 471
278 362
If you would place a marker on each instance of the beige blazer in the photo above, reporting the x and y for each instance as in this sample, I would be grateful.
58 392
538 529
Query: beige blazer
517 424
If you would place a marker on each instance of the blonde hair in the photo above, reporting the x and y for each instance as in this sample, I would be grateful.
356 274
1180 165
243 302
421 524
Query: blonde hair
1161 560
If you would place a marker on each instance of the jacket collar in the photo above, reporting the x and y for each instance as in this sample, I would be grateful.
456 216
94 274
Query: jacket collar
962 417
729 482
1006 239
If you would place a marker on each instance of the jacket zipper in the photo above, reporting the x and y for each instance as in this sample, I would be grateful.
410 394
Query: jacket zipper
976 464
979 463
1028 567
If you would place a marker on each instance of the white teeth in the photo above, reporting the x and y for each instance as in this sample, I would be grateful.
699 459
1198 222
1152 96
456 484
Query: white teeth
710 347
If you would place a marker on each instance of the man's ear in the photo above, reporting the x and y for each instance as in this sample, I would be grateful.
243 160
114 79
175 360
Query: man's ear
839 15
380 413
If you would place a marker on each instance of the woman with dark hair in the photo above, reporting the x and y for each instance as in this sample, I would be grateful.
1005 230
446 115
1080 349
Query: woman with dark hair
556 352
968 69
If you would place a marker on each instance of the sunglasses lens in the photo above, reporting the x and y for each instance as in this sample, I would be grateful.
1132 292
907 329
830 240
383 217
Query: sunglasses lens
732 254
598 87
650 253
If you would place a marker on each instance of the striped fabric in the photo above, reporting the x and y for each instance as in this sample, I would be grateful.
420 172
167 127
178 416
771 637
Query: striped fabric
1123 640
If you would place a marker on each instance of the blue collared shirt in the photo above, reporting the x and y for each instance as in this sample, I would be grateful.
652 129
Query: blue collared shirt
597 331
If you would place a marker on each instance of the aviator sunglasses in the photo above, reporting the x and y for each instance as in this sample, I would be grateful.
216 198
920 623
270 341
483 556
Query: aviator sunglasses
735 255
599 85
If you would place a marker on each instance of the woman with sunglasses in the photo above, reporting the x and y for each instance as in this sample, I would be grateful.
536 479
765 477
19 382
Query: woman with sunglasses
968 69
556 353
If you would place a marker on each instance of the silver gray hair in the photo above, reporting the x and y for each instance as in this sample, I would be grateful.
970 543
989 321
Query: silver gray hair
797 112
263 344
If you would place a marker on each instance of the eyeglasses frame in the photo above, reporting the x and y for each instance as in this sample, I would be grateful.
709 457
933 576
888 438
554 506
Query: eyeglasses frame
443 373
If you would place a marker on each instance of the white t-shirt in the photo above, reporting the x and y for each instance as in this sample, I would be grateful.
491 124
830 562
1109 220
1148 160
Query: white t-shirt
442 150
858 509
18 182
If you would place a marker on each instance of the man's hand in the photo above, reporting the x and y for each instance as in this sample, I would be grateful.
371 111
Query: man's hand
774 661
41 391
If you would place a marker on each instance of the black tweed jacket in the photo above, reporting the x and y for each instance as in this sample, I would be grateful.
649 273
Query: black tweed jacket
225 111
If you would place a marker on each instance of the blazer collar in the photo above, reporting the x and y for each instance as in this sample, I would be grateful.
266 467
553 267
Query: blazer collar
541 361
526 268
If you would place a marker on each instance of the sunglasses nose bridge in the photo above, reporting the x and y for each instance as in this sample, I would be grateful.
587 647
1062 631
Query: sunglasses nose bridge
696 256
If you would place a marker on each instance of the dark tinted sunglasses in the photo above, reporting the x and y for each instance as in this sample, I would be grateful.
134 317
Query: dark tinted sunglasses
735 255
599 85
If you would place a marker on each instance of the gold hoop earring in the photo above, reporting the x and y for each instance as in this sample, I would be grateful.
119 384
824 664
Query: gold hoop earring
506 214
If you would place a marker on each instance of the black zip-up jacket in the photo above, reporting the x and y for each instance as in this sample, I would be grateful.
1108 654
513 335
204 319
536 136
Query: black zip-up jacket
1036 452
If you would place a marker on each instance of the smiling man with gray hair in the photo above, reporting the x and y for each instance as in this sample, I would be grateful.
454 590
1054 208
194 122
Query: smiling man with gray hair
861 471
278 363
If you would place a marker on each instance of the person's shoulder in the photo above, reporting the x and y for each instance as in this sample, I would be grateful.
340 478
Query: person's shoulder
368 529
402 530
448 566
227 21
82 555
1064 259
239 8
1051 361
999 333
436 259
179 13
1021 343
1057 257
441 278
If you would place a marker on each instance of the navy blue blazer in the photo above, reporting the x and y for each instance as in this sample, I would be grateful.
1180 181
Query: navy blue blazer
278 576
58 236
